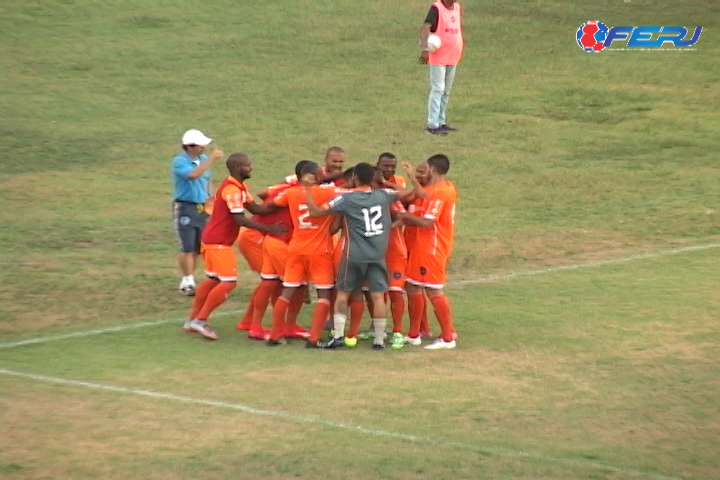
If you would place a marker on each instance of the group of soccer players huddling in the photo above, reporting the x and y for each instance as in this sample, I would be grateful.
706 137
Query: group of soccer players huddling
359 236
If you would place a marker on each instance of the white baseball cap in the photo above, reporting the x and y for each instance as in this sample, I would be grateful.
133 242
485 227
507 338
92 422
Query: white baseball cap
195 137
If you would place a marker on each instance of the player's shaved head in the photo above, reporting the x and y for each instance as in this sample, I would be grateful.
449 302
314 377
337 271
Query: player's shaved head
300 165
239 166
388 155
308 167
440 163
365 173
333 149
334 159
387 163
236 159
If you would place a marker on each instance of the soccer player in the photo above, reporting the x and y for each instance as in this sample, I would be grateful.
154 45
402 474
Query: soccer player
332 170
414 207
366 224
272 272
309 256
387 165
231 200
429 252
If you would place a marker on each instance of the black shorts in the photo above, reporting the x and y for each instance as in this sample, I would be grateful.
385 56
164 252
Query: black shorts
189 220
353 275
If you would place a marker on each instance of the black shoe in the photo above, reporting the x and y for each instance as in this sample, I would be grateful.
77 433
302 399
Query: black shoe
378 346
310 344
436 131
447 128
275 343
335 343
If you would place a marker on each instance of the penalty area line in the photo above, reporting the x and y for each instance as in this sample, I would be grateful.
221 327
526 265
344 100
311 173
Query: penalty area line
486 449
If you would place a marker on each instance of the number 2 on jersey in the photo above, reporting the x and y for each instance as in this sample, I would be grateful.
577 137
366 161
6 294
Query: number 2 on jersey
303 217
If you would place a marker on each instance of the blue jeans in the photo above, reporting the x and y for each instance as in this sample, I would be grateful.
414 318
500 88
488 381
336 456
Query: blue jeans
441 80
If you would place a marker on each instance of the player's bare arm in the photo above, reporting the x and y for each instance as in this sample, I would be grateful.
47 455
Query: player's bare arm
243 221
264 209
415 221
336 224
417 189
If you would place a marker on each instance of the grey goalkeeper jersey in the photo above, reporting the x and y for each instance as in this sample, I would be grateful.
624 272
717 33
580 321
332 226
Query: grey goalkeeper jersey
366 222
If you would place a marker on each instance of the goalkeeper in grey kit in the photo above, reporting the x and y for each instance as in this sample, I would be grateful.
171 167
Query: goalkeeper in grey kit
366 224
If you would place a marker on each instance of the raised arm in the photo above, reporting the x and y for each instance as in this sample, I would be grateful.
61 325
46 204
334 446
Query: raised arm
243 221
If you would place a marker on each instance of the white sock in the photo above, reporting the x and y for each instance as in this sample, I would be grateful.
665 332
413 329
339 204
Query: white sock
379 326
339 324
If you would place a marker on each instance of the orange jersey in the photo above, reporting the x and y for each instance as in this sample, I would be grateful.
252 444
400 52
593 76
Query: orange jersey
440 207
415 207
398 180
231 198
396 243
311 235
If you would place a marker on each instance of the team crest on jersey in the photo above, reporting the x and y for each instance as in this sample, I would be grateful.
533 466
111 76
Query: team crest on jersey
397 275
423 271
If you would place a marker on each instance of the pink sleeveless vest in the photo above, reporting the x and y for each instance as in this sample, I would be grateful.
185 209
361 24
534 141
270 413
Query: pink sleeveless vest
450 34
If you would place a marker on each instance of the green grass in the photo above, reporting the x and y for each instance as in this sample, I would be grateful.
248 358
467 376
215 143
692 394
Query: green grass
562 158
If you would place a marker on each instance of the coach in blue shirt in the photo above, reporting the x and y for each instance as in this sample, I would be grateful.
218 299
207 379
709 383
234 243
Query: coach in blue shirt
190 169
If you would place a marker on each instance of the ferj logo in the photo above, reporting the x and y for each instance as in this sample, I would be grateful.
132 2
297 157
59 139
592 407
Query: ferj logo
595 36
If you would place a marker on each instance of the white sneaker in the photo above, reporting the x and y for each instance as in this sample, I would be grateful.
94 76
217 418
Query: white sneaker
202 327
413 341
187 327
187 289
440 344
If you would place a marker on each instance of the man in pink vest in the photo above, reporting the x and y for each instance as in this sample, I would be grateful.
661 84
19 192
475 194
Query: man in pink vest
444 20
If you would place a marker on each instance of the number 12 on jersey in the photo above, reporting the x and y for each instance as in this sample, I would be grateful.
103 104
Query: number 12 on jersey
373 225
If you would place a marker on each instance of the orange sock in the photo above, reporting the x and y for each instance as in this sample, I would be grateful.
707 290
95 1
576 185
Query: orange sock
276 293
247 318
416 306
424 323
357 308
278 318
397 308
296 303
201 294
215 298
320 314
441 305
261 299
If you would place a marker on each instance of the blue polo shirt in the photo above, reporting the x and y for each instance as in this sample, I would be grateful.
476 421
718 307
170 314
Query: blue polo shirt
188 190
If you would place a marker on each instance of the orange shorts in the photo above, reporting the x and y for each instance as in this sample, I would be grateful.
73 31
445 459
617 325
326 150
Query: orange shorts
250 242
425 269
275 253
220 262
396 267
317 269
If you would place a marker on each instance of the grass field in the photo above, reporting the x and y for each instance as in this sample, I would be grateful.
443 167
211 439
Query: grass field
584 279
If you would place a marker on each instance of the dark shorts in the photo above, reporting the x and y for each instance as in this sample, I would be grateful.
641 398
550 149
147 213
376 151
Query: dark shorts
189 220
353 276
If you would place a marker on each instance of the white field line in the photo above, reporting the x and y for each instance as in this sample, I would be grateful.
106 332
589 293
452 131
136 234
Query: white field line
602 263
100 331
487 449
457 283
